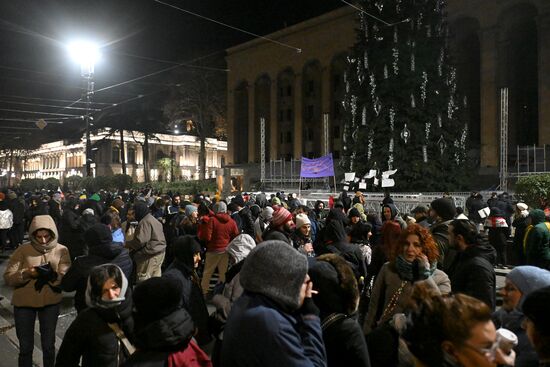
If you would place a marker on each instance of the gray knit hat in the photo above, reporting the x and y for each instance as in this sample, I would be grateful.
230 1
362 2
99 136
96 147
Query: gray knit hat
277 271
220 207
528 279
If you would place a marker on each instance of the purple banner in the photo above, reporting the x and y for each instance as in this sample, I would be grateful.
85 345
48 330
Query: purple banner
317 167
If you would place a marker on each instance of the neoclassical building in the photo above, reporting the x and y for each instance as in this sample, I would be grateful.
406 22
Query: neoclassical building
497 44
61 159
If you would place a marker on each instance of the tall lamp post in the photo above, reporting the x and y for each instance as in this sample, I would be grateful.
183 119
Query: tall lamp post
86 54
173 155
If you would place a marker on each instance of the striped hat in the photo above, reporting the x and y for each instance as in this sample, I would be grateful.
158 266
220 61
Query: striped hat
280 217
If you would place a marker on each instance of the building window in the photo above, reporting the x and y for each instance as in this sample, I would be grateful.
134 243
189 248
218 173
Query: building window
281 115
281 138
289 114
337 112
289 137
289 90
336 82
281 91
115 155
310 88
336 154
160 154
309 134
131 156
309 113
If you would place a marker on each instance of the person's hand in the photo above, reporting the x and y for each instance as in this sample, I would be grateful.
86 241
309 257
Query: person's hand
308 248
423 260
30 272
504 359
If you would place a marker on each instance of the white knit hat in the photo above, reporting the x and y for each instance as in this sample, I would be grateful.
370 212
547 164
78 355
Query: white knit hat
302 219
522 206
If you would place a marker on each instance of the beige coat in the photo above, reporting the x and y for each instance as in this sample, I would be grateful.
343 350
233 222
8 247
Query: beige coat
387 284
34 254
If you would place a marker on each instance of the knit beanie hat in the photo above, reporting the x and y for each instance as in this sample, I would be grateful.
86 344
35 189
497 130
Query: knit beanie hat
444 207
190 209
354 212
88 211
98 234
95 197
280 217
535 308
156 298
528 279
302 219
267 213
275 201
12 195
220 207
277 271
522 206
240 247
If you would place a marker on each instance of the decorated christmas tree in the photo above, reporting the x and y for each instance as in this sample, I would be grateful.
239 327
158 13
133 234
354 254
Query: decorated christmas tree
402 107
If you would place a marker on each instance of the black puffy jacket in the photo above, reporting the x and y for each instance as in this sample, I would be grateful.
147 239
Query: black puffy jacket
91 338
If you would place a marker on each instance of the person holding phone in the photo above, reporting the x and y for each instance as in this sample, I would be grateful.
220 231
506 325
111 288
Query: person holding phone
35 270
413 260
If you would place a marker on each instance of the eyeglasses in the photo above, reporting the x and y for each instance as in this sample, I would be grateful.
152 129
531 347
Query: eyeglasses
508 289
489 353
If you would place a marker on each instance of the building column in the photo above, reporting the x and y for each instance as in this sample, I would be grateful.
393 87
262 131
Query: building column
489 103
251 124
543 30
325 105
298 113
273 122
230 124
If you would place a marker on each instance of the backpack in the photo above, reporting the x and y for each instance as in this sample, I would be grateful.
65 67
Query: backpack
192 356
6 219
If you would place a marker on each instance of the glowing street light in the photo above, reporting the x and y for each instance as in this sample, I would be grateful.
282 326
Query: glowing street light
86 54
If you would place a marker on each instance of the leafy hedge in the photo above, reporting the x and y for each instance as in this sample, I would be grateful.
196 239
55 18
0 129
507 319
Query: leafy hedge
534 190
37 184
183 187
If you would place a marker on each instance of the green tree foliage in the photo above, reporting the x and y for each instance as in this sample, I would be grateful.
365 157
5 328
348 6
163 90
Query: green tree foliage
402 108
534 190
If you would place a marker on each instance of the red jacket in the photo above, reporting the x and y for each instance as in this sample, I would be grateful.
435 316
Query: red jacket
218 232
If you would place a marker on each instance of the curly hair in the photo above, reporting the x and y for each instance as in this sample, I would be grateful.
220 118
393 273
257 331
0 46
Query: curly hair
429 247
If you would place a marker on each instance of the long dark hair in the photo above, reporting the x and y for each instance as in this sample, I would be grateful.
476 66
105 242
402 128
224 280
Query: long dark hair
100 274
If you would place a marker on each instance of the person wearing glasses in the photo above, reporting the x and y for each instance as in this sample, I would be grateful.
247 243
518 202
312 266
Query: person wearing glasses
452 330
519 283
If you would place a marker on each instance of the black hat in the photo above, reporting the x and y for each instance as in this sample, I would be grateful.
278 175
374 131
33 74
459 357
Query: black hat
238 200
156 298
420 209
535 309
354 212
444 207
98 234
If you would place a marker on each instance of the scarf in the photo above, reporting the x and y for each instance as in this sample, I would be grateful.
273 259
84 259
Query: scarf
406 270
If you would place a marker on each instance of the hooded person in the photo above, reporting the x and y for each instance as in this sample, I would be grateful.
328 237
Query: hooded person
148 246
337 299
537 323
520 223
217 233
301 236
537 241
390 212
35 270
262 222
163 329
442 212
275 320
519 283
101 250
183 269
92 336
238 250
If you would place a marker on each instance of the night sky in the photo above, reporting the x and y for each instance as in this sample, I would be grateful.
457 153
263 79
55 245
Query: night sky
34 62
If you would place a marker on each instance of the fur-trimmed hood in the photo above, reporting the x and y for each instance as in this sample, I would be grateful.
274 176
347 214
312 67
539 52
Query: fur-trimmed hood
333 278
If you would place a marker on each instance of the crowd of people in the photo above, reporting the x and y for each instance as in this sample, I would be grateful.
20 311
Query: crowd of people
334 284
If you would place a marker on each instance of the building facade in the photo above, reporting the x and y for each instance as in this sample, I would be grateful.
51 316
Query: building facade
61 159
497 44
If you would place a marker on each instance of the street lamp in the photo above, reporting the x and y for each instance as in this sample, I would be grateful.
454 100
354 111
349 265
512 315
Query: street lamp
173 155
86 54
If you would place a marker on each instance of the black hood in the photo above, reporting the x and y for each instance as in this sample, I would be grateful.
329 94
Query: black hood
107 251
140 210
172 332
336 215
335 231
98 234
393 209
185 247
483 249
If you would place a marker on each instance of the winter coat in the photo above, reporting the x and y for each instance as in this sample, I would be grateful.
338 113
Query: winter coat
473 209
525 354
520 225
387 284
192 298
156 341
218 231
18 210
394 215
91 337
474 274
55 210
259 332
76 278
353 352
6 218
70 233
35 254
247 221
39 209
148 239
537 246
447 255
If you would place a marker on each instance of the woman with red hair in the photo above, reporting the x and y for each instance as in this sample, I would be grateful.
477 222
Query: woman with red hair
412 260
